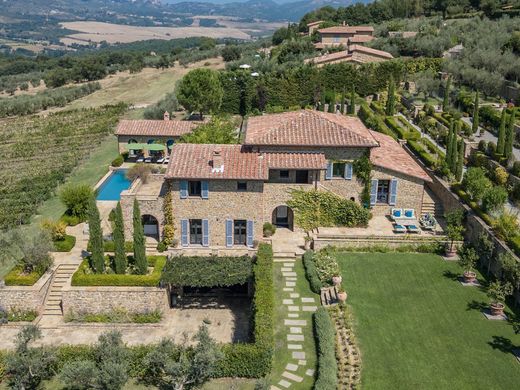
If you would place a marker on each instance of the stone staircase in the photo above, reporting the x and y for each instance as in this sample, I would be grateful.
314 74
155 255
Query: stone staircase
61 277
329 296
431 205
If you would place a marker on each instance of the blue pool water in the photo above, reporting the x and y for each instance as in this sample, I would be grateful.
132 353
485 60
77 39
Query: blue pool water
113 186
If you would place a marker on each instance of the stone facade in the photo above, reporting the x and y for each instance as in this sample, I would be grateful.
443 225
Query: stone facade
97 300
123 141
25 297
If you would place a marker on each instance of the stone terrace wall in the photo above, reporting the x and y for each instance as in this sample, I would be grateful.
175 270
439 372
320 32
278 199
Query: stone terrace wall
26 297
96 300
323 241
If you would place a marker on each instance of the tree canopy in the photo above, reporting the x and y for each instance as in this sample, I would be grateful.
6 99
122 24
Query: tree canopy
200 91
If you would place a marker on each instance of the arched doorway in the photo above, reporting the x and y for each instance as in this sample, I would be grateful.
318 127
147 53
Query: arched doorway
169 145
150 226
283 216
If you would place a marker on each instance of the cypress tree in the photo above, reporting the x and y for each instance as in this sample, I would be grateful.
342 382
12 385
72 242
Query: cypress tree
141 264
510 137
332 103
97 257
460 162
454 151
390 101
449 140
501 142
446 100
352 105
322 102
474 128
119 242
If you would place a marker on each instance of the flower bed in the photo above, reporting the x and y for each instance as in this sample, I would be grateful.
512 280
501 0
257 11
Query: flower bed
82 277
119 316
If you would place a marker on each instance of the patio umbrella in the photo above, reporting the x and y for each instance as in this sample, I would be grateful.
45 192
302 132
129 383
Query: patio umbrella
154 147
134 146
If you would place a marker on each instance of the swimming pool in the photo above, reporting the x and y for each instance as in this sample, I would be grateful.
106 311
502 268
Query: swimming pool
113 186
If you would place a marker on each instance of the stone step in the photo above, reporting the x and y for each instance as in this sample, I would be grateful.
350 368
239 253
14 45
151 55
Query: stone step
329 296
52 311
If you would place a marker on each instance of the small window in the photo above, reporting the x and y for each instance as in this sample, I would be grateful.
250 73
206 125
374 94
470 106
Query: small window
383 190
239 232
284 174
196 231
338 170
242 186
194 188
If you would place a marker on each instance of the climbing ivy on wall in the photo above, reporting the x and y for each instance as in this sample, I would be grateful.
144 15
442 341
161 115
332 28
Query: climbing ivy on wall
169 226
363 171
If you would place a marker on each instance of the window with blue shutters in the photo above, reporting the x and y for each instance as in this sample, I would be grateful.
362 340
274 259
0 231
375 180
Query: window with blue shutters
184 189
184 232
328 173
348 171
250 233
393 192
373 192
205 189
205 232
229 233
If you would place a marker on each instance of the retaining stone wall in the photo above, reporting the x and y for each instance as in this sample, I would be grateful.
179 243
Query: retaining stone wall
25 297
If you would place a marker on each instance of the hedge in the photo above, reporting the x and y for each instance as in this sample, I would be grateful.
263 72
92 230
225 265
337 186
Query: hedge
212 271
66 244
475 207
311 273
407 133
16 278
374 121
82 278
325 335
110 246
255 360
429 160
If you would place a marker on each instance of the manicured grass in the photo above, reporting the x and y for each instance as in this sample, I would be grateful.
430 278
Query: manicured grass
418 327
282 355
66 244
89 173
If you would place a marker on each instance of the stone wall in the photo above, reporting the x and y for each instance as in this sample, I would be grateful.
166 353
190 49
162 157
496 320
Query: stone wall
96 300
322 241
25 297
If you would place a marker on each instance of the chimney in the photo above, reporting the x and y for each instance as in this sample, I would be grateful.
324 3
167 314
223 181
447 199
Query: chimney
166 116
218 162
344 23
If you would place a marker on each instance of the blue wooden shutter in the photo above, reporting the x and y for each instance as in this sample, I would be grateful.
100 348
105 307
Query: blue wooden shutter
348 171
205 189
250 233
205 232
328 174
184 189
393 192
184 232
229 233
373 192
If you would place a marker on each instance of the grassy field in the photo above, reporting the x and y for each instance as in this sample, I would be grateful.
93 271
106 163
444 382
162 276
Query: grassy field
419 328
282 355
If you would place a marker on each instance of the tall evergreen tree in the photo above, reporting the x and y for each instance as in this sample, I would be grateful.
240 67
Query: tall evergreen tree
322 101
97 256
390 102
449 141
475 125
446 100
352 105
460 162
141 263
454 151
501 142
119 242
510 137
332 103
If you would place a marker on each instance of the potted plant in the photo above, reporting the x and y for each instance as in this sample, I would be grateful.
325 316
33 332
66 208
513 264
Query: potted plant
454 231
467 259
342 296
308 240
497 292
336 280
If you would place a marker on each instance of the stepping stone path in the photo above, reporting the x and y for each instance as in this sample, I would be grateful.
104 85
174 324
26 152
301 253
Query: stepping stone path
296 369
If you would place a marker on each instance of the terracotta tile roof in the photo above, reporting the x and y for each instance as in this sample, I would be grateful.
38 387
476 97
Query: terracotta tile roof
369 50
346 29
314 23
165 128
296 160
307 128
361 38
195 161
390 155
339 55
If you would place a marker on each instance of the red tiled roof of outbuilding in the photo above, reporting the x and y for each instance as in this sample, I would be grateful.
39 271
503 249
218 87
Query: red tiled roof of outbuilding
165 128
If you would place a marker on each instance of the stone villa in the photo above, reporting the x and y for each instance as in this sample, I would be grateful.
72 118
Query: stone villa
223 194
354 54
343 35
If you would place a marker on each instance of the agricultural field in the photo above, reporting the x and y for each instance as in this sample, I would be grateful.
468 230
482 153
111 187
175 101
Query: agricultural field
119 33
38 153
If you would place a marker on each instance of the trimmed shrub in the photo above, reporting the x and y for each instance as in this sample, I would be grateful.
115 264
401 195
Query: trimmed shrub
269 229
116 316
418 149
16 277
311 273
77 199
70 220
212 271
66 244
326 376
118 161
84 277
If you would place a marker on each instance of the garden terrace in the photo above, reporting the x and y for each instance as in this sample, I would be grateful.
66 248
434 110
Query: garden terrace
36 154
428 322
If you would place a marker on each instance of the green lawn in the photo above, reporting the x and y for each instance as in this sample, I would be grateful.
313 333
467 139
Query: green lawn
419 328
282 355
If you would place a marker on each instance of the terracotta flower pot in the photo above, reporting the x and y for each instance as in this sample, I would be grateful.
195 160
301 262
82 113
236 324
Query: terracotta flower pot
342 296
307 245
336 280
469 276
451 250
497 309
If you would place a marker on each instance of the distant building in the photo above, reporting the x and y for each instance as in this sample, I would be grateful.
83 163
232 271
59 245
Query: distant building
314 26
344 35
402 34
355 54
454 52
